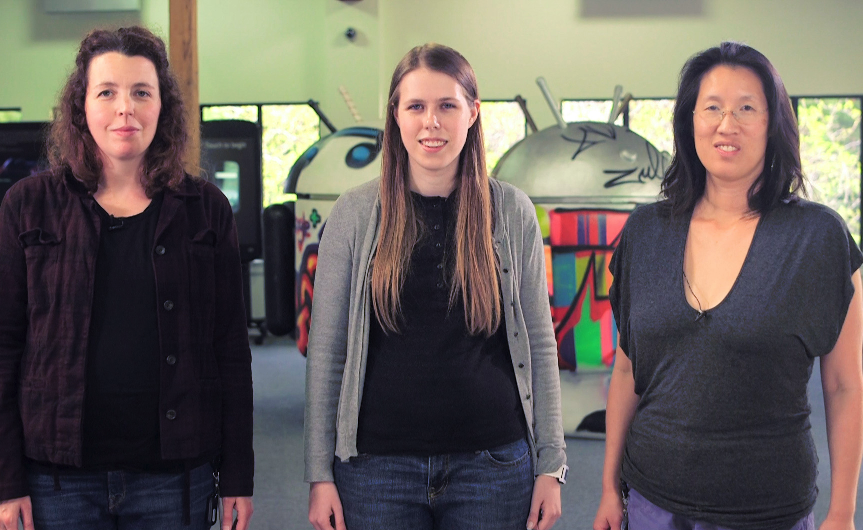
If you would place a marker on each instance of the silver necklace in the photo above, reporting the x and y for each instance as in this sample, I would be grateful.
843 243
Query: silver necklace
701 312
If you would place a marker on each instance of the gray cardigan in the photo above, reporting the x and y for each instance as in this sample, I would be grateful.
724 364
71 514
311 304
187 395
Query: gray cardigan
338 339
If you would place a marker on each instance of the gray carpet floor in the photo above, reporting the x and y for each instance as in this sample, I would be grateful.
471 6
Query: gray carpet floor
281 497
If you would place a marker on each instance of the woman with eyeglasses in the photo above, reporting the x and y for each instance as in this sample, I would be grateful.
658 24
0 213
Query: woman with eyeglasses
725 292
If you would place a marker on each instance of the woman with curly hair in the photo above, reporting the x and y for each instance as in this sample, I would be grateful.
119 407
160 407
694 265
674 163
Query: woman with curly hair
125 370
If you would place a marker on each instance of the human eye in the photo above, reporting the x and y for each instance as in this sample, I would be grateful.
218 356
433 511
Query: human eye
104 93
748 109
713 108
448 105
142 93
414 106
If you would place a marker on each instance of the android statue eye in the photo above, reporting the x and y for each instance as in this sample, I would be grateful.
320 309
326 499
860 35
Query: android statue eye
361 155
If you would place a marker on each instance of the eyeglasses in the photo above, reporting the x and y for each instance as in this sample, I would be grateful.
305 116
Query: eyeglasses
745 115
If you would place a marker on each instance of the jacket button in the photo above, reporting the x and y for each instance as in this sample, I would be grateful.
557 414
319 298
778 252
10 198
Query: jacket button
506 270
171 414
439 266
515 334
525 397
521 365
160 250
171 360
168 305
440 285
437 245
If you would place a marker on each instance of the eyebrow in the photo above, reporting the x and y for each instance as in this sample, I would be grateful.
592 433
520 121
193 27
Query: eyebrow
420 100
112 84
747 97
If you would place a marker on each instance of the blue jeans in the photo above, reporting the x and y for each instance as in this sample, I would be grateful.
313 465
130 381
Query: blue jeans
644 515
488 489
119 500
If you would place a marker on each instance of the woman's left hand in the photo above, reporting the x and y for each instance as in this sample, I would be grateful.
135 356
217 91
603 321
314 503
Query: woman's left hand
837 523
545 504
243 507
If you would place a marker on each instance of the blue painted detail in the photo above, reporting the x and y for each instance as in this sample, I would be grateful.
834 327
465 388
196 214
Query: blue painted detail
361 155
565 284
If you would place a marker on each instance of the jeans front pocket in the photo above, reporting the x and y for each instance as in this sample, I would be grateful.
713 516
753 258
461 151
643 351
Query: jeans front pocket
511 454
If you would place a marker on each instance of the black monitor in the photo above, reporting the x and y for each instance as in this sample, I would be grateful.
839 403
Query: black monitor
231 158
22 152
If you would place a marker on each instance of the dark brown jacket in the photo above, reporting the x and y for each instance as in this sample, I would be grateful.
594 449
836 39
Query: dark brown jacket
49 238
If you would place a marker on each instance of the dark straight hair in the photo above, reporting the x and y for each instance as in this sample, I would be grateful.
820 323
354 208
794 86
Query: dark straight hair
782 177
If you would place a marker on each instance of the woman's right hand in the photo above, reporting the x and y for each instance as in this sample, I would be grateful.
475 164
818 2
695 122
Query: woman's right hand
12 510
325 507
609 515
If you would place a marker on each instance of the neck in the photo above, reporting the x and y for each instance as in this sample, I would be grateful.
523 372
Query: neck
431 184
121 178
724 200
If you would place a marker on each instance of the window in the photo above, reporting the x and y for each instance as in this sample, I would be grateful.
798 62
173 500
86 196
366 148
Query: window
652 119
503 125
10 115
287 130
588 110
830 137
230 112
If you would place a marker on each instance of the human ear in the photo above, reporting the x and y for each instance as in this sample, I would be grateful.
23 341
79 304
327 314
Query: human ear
474 112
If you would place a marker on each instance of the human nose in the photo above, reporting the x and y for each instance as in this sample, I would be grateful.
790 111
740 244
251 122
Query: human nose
431 120
731 122
125 107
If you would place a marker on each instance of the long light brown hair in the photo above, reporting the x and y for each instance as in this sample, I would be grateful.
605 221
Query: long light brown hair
474 267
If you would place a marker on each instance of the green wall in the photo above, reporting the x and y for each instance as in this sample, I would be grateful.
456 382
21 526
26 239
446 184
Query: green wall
293 50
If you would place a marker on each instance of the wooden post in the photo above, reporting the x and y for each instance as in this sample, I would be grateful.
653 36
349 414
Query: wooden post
184 62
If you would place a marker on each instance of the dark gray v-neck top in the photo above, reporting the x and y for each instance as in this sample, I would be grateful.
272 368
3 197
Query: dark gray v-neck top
721 433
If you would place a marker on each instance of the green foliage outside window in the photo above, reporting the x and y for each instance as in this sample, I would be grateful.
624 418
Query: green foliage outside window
503 126
288 130
830 154
598 110
230 112
652 119
10 115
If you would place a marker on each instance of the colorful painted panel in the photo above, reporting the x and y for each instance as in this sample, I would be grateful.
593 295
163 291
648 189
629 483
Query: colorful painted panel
580 243
309 226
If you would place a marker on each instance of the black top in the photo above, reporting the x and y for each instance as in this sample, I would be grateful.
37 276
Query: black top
433 388
721 433
121 407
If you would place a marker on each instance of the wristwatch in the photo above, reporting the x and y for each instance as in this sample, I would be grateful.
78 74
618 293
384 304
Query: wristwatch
560 474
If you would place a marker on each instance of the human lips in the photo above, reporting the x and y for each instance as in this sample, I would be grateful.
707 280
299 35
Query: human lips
126 130
433 143
727 148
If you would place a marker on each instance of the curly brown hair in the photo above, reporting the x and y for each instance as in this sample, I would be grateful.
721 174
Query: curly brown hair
71 146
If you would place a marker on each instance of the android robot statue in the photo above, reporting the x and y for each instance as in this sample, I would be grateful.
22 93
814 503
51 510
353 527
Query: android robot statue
584 179
344 159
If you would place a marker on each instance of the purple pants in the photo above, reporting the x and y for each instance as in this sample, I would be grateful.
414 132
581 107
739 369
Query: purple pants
644 515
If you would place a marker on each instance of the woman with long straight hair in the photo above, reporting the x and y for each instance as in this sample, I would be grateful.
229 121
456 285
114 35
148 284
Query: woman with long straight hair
432 389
